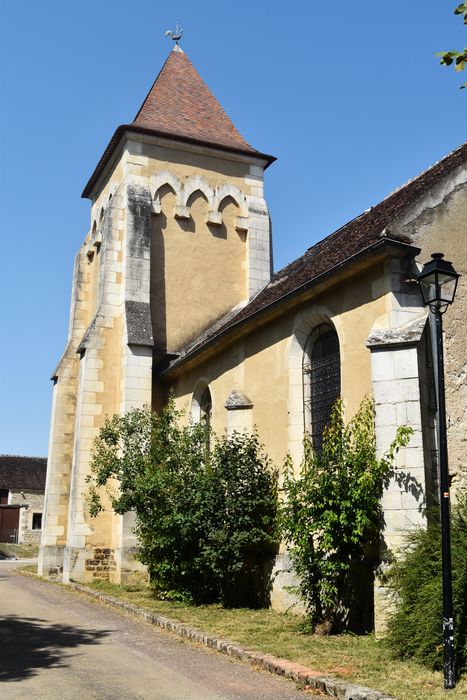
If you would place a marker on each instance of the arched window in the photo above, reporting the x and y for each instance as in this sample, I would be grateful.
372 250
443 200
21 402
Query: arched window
321 380
201 403
201 409
205 406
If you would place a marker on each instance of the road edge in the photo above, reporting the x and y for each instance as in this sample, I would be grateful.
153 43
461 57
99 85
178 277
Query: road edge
333 687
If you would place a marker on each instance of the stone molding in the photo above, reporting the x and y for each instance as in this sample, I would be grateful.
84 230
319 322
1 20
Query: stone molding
214 196
237 401
408 334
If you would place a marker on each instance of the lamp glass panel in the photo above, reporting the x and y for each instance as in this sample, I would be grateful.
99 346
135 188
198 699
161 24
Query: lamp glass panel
428 289
447 287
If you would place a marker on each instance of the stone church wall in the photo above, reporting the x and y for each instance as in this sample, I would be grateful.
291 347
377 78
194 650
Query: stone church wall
266 365
140 253
439 225
180 236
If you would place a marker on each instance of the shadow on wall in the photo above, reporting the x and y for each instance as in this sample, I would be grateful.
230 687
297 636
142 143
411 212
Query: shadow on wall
158 292
251 587
356 610
30 644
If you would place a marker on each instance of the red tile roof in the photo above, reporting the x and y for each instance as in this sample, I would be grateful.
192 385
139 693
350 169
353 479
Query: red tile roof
180 106
180 103
358 235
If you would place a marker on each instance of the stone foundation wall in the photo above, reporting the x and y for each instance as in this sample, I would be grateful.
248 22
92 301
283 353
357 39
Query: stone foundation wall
284 579
102 565
51 562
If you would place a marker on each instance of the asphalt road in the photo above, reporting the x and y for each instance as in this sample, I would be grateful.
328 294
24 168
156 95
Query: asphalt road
57 645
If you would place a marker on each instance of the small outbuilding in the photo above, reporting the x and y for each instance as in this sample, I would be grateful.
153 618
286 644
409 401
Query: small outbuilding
22 487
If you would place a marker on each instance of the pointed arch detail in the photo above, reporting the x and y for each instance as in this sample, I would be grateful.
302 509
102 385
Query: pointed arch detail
157 182
202 396
228 190
214 197
197 182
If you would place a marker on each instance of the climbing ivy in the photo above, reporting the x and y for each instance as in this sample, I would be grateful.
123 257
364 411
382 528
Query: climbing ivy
331 512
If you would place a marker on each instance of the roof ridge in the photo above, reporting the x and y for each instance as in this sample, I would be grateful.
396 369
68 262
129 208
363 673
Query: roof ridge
227 316
374 207
22 456
416 177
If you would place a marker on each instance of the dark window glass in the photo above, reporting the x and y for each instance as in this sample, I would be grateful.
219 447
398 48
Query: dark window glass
322 380
37 521
4 497
206 406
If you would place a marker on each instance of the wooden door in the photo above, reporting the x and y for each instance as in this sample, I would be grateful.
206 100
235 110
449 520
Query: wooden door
9 523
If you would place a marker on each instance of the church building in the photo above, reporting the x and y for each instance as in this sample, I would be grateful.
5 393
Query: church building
174 291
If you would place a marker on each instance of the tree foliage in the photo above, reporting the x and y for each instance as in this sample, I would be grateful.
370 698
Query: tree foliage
200 513
415 628
458 58
332 511
239 511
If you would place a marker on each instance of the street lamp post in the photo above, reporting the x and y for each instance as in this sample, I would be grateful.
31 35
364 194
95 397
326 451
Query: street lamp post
438 283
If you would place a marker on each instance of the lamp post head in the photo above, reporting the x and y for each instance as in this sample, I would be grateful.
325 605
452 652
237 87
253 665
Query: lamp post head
438 283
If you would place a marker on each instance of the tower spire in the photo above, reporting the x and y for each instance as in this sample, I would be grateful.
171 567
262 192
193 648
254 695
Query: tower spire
180 105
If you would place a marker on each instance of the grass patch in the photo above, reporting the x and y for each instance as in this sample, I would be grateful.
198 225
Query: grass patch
28 569
358 659
20 551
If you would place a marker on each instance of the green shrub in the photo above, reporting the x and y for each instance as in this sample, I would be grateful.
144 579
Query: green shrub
157 467
415 628
202 516
240 519
332 513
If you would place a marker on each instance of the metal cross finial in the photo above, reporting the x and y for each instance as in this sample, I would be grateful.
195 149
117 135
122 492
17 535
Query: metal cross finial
176 35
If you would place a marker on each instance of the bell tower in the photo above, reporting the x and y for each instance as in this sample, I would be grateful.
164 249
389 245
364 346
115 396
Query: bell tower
179 236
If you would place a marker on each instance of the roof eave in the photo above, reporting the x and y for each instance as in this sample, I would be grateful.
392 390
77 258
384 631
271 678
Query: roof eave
124 128
374 248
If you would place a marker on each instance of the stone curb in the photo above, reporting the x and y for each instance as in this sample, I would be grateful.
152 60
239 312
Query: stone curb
296 672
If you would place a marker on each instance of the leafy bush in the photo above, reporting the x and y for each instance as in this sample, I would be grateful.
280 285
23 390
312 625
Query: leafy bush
239 514
152 465
200 514
332 513
415 628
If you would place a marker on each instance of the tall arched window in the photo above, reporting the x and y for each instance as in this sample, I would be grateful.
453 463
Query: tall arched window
205 406
321 380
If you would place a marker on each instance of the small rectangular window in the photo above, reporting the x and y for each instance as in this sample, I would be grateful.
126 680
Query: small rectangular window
37 521
4 497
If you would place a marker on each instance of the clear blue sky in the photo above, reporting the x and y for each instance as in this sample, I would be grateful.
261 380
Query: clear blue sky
347 95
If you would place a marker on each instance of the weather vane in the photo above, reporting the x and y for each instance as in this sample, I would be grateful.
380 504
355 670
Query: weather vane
176 35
